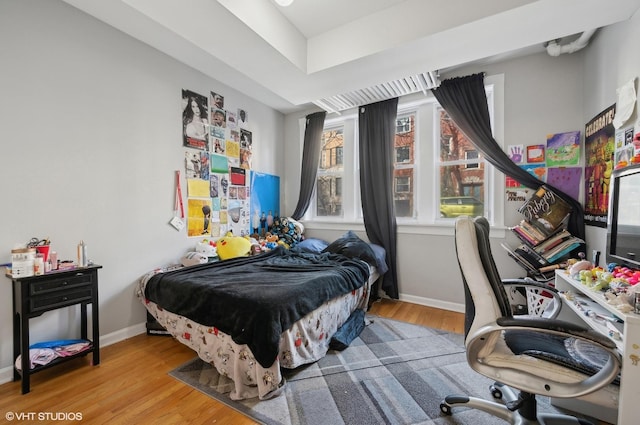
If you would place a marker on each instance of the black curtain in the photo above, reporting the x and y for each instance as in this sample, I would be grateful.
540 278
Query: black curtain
310 159
465 101
377 129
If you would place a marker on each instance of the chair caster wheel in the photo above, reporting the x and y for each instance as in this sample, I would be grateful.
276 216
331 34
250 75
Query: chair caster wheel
495 392
445 408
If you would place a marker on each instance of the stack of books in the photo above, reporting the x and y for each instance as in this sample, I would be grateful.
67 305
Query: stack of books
545 211
550 250
543 231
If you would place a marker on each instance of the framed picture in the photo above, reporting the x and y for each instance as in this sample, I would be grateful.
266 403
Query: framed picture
535 153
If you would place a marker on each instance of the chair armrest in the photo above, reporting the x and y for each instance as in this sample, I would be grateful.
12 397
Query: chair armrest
557 326
488 353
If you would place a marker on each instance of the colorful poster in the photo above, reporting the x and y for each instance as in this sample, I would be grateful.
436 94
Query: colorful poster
516 153
599 145
539 171
192 164
566 179
198 217
535 153
195 108
563 149
265 200
219 164
197 188
510 182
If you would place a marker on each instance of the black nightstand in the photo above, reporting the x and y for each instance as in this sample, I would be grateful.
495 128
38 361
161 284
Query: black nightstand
35 295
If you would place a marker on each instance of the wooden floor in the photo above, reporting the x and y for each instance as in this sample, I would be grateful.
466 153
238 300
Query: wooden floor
131 384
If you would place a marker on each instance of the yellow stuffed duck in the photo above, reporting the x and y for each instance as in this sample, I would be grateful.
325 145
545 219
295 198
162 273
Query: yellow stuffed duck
230 246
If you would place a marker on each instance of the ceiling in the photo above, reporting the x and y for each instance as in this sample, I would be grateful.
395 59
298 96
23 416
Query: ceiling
289 57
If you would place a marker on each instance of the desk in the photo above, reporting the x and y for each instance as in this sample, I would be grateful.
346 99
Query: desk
628 344
35 295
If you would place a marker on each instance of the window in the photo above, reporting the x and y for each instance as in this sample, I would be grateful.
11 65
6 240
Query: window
403 125
437 173
461 172
404 145
403 184
330 171
402 154
471 155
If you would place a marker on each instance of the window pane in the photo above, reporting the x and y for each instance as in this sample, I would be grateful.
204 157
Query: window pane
404 144
462 172
403 154
330 173
471 155
403 124
454 145
461 190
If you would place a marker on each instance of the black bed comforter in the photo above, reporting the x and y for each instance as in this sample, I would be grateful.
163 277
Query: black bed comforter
255 299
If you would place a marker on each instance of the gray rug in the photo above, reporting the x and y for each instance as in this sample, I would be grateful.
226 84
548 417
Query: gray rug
394 373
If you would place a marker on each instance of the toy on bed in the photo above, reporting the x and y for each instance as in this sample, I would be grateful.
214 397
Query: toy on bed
230 246
192 258
207 247
288 231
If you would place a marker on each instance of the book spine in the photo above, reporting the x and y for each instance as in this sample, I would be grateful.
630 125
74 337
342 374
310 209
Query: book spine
531 229
553 241
561 253
532 256
520 233
520 260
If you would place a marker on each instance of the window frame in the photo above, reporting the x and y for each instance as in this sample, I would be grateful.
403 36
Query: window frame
426 219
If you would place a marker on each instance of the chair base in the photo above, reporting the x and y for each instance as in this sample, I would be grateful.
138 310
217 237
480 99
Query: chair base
526 414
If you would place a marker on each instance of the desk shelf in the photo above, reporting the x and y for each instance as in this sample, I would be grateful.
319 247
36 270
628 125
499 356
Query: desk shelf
628 345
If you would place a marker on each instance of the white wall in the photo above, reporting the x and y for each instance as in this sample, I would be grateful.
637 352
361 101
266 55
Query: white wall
90 129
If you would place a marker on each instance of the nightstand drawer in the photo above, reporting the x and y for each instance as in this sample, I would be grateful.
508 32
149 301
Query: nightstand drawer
59 299
62 284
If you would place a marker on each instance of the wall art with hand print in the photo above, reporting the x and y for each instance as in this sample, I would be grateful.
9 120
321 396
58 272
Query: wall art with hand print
516 153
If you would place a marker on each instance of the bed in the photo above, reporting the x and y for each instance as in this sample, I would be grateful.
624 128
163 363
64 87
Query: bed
249 317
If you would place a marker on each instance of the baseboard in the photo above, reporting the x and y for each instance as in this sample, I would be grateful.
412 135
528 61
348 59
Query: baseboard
430 302
6 373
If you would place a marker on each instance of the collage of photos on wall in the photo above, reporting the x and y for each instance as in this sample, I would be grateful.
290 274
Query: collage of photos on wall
218 146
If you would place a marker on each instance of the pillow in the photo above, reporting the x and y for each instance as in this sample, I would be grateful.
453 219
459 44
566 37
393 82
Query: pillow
350 245
312 245
381 255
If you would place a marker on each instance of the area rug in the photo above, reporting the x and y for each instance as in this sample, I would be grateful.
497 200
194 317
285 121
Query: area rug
394 373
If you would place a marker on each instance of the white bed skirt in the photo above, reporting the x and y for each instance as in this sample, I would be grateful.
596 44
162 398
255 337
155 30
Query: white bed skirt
305 342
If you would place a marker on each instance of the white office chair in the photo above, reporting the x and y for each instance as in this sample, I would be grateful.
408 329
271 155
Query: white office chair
523 353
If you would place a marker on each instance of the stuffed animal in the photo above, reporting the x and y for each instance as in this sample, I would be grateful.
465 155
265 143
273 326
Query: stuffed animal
271 240
575 269
207 248
230 246
193 258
